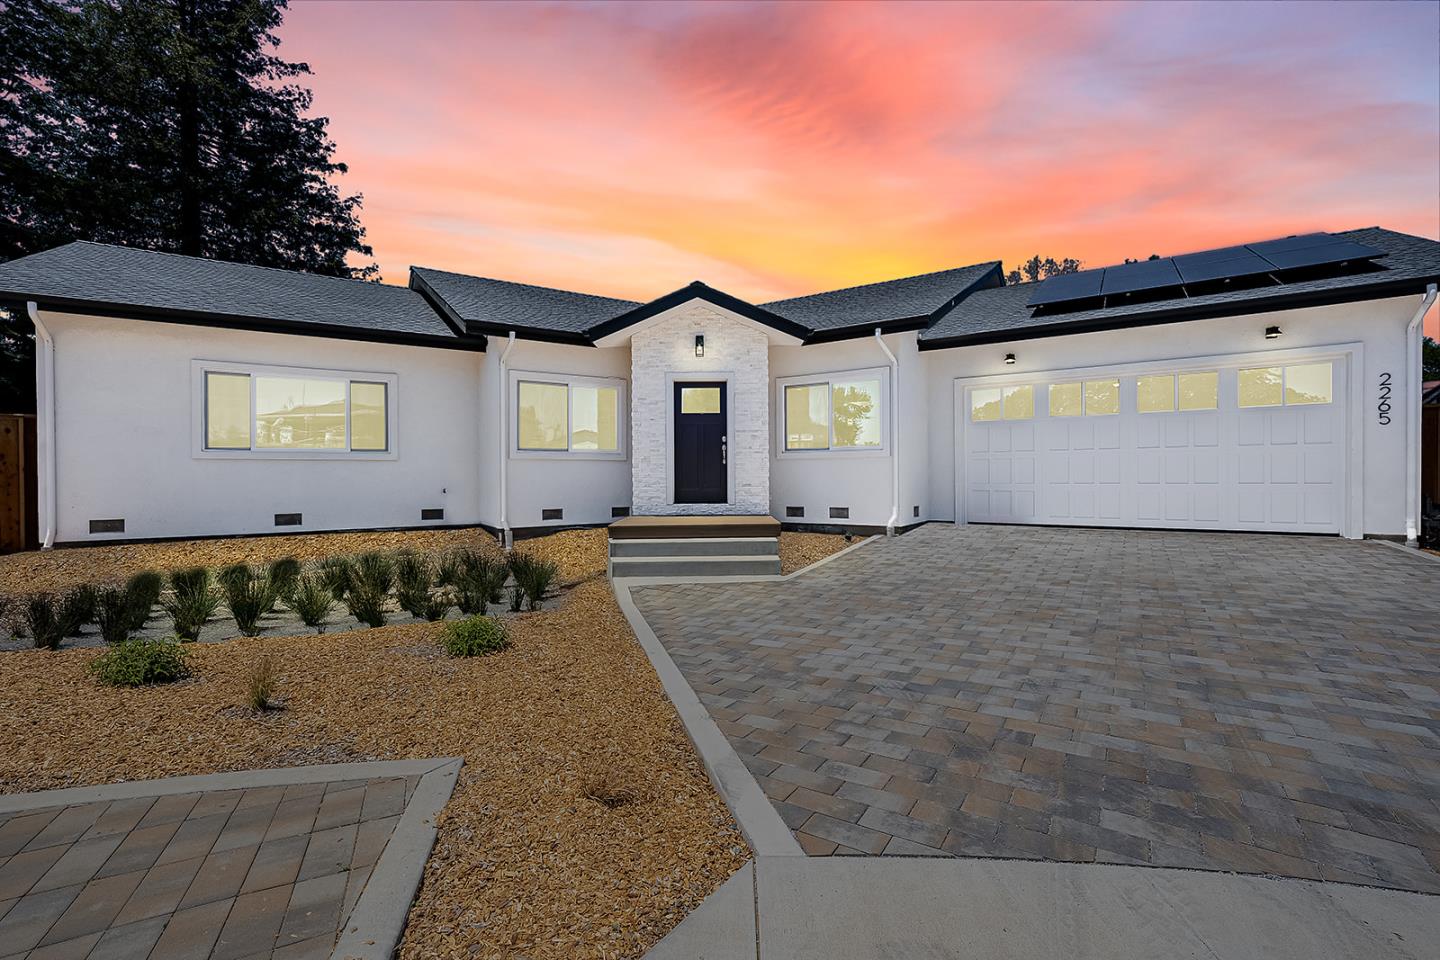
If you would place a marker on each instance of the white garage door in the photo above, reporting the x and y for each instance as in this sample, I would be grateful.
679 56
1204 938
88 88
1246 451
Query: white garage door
1223 447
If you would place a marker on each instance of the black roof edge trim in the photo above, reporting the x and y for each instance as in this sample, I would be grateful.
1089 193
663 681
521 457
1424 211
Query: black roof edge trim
856 330
491 328
231 322
437 303
1292 301
698 291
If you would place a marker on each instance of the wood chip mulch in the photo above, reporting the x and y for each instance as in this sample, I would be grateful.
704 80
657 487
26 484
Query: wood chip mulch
802 549
583 824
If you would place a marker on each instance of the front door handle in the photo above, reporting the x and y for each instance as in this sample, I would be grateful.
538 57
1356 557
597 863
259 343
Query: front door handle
724 448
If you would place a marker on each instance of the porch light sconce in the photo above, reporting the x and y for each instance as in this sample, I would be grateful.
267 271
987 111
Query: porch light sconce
699 344
1009 358
1272 333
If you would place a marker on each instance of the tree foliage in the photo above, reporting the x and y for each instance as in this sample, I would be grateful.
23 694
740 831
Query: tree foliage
1040 268
166 124
1432 359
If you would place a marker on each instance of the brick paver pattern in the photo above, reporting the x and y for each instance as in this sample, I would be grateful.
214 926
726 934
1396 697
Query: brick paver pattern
267 872
1260 704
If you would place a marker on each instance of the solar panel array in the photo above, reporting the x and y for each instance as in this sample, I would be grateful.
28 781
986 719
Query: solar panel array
1147 277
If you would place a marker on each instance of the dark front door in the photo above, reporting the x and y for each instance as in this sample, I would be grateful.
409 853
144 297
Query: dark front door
700 429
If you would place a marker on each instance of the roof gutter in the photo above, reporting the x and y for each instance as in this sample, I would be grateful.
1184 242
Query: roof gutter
45 415
894 433
507 538
1414 365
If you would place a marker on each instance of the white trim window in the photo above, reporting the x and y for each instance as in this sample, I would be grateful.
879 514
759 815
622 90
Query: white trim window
834 412
247 410
561 415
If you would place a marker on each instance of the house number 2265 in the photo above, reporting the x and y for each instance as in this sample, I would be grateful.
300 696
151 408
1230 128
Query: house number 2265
1383 407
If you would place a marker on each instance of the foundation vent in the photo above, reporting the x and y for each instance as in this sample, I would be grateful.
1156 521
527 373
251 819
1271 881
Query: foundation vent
287 519
917 510
432 513
552 513
107 526
794 511
839 513
617 512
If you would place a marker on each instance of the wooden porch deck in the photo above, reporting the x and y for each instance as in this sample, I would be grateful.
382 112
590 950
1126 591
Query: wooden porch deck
670 528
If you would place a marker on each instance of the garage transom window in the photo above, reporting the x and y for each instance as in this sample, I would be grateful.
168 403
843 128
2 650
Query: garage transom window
844 412
567 415
1003 403
1168 392
1292 385
298 410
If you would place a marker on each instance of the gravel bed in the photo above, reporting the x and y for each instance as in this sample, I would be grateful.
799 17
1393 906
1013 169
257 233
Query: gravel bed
583 825
799 550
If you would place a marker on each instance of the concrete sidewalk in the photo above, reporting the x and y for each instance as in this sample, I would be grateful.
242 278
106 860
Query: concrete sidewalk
851 908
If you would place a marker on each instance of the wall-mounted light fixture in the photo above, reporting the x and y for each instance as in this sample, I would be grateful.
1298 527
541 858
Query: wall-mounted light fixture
1272 333
699 344
1009 358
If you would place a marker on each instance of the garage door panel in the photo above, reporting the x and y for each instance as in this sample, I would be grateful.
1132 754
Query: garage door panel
1278 467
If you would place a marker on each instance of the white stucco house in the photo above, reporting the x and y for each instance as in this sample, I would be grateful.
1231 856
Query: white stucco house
1267 387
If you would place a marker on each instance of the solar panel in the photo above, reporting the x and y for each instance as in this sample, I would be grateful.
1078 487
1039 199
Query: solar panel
1292 243
1337 250
1229 263
1068 286
1145 275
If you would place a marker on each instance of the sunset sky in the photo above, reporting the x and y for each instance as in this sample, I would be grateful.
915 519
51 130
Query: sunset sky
773 150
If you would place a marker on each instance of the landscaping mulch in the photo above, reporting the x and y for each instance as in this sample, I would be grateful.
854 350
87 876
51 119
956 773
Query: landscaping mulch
799 550
583 824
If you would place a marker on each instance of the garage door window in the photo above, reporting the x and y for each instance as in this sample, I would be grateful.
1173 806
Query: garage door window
1308 383
985 404
1019 403
1067 399
1200 391
1102 397
1302 383
1155 394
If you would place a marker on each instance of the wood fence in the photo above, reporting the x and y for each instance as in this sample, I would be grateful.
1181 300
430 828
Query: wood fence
18 483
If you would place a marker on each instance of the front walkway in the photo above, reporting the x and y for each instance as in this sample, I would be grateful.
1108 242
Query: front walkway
264 864
1260 704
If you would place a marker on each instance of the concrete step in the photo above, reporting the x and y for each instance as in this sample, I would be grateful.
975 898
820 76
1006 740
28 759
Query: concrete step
721 566
697 547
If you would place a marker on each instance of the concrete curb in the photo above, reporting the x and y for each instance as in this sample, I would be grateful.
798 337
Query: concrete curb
239 780
759 822
1415 553
377 920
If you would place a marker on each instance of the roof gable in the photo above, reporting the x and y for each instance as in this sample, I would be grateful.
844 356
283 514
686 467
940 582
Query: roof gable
608 330
497 306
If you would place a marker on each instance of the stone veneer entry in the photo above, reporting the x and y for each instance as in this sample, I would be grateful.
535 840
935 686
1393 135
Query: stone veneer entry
664 353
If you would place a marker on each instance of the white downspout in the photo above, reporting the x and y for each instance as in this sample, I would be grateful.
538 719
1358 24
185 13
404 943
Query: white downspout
894 435
45 417
505 537
1414 378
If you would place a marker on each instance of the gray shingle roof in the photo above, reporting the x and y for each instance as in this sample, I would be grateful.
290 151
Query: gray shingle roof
872 303
171 284
1001 313
500 303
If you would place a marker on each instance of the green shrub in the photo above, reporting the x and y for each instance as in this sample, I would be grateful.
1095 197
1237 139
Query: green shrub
479 579
337 572
366 604
283 575
374 572
413 576
447 571
135 663
77 608
260 685
191 609
248 598
235 573
113 614
534 576
312 601
475 636
42 619
142 592
194 580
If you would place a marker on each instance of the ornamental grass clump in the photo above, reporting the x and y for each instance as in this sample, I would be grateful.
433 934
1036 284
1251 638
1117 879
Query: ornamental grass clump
191 603
312 601
139 662
373 571
475 636
479 581
413 576
77 608
113 614
248 598
337 573
533 576
42 619
260 685
284 573
142 592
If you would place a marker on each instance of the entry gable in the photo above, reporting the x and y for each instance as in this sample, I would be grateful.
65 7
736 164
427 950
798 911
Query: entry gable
780 331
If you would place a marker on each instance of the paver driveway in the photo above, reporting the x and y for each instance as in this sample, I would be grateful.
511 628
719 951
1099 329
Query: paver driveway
1252 703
